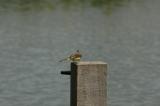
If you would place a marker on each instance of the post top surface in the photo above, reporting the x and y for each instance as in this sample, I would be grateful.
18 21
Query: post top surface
91 63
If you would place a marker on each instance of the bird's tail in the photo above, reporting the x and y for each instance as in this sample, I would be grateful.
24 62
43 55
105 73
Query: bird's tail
64 59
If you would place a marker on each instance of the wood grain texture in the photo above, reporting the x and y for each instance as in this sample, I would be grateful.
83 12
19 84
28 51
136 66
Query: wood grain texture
91 84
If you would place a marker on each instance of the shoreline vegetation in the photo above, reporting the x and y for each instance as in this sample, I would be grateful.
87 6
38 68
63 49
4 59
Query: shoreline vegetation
40 5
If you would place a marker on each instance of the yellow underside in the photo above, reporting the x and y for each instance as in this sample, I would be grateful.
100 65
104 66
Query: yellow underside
75 59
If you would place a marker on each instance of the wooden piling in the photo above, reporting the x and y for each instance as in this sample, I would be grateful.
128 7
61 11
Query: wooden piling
88 84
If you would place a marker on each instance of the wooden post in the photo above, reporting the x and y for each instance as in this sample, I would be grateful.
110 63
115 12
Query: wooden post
88 84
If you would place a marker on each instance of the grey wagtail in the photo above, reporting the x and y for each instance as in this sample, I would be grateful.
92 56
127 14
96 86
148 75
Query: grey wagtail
73 57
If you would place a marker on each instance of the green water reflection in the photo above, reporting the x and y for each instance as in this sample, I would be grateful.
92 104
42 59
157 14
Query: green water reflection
27 5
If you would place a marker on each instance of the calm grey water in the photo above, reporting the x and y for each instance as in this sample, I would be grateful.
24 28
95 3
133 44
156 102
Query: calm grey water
31 43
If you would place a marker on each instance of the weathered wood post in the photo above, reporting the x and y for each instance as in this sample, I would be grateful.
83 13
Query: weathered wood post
88 83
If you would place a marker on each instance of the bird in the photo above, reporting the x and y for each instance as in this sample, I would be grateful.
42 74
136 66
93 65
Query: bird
75 57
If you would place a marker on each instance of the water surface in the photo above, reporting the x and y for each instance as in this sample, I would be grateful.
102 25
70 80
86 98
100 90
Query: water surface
32 42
